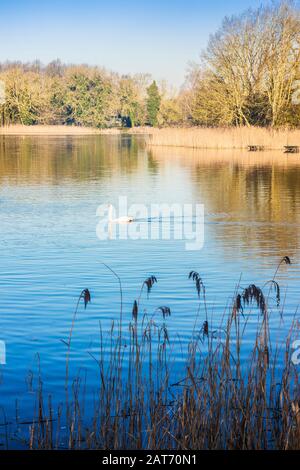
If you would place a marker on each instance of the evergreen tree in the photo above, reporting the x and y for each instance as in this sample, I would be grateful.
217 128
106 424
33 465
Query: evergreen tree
153 104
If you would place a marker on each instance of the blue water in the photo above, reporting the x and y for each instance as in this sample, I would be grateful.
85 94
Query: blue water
50 188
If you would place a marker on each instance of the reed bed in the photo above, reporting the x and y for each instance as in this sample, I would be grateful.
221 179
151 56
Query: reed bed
224 138
55 130
219 400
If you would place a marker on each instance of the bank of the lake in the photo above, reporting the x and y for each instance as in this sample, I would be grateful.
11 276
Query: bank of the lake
190 137
55 130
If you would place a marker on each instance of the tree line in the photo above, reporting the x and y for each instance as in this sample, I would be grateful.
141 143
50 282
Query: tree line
248 75
75 94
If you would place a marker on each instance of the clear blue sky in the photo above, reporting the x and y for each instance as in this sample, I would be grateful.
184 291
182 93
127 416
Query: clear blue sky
158 36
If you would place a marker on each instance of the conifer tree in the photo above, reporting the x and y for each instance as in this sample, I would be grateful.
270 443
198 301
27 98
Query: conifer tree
153 104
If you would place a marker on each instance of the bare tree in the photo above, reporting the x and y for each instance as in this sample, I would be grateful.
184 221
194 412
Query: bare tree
249 68
282 67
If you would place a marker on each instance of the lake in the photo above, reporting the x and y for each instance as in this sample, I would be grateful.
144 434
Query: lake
50 189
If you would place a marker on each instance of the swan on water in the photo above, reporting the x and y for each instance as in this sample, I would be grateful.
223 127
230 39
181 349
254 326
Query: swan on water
125 219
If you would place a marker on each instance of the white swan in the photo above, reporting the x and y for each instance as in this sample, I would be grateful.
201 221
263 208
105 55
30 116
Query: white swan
125 219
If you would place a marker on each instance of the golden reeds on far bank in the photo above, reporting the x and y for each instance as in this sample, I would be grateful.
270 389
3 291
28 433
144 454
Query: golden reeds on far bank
189 137
224 138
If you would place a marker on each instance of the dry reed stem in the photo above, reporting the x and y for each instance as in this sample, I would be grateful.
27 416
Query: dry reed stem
221 400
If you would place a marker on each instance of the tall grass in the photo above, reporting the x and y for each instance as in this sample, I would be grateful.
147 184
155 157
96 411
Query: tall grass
219 400
224 138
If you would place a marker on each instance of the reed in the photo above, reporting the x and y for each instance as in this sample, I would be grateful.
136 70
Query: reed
223 138
220 399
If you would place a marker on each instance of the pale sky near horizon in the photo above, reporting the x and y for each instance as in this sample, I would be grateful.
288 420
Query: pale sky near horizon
157 37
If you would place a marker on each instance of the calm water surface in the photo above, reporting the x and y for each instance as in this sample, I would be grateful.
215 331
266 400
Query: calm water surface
50 188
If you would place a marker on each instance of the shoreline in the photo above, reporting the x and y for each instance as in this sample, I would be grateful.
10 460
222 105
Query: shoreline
55 130
197 138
